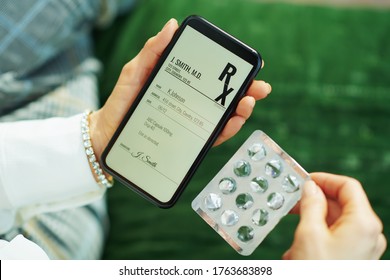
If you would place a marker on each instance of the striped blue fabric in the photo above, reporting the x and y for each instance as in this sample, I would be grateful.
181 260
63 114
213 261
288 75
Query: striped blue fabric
47 69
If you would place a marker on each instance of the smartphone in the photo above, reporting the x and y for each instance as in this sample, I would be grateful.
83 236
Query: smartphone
180 111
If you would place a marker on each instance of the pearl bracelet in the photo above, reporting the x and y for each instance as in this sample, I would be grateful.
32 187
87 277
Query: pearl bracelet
108 183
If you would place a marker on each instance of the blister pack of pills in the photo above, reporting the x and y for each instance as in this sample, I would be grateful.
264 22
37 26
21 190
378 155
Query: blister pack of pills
247 198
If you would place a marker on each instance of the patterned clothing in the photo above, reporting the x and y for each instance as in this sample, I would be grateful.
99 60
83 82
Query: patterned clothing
47 69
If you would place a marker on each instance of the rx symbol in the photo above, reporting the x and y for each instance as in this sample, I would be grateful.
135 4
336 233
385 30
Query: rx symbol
226 74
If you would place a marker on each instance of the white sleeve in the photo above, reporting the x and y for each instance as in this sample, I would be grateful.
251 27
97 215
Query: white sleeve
43 167
21 248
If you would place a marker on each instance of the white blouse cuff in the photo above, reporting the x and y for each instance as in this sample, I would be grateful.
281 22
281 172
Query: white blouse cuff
43 166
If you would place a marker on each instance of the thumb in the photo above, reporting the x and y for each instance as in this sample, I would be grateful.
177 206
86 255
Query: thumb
133 76
313 208
138 69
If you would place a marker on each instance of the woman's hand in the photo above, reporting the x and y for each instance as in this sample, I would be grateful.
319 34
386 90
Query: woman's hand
337 221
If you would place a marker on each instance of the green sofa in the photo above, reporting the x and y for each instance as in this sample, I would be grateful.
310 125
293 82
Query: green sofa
329 109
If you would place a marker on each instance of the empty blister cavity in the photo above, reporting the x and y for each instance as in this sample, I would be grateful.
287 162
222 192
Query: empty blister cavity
227 185
273 168
257 152
275 200
259 184
244 201
260 217
213 202
290 184
229 218
242 168
245 233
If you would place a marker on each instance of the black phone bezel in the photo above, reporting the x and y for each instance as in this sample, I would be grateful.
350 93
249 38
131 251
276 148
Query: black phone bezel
225 40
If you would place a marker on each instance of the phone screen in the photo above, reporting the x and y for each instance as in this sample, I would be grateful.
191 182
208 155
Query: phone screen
178 114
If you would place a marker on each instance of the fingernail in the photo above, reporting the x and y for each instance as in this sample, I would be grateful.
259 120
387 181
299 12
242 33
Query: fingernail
269 88
253 102
310 188
168 23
